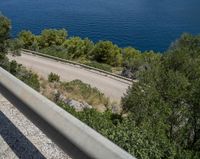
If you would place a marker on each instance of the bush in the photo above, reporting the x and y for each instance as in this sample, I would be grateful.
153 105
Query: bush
5 26
50 37
27 39
27 77
81 91
13 67
101 66
166 102
4 61
20 72
122 131
107 52
130 54
15 46
78 48
53 77
136 62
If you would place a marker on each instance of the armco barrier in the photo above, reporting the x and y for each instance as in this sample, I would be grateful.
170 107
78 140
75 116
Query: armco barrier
79 64
74 137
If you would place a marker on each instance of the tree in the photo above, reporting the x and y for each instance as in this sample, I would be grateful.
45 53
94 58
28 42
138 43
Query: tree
136 62
166 99
78 48
130 54
5 26
189 43
51 37
107 52
15 46
27 38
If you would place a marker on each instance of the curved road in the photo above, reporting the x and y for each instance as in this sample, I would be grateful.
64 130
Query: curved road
110 86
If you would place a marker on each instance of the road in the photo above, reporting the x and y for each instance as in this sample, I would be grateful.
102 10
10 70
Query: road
112 87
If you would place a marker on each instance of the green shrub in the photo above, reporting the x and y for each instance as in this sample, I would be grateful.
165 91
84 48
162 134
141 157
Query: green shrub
122 131
13 67
50 37
101 66
15 46
27 39
79 90
5 26
107 52
165 101
53 77
28 77
4 61
78 48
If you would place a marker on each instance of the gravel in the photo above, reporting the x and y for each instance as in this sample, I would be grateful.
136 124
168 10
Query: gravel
20 138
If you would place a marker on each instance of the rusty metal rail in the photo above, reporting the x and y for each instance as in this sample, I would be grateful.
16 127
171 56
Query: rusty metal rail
74 137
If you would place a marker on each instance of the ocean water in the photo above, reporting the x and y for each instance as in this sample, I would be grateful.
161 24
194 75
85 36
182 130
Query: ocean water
143 24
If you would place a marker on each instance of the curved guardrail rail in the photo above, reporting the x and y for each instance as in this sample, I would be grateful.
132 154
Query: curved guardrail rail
79 64
74 137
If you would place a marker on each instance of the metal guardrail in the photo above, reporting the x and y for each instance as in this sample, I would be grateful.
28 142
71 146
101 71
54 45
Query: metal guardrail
74 137
79 64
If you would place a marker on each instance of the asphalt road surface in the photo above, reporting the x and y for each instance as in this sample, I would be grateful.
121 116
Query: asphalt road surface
112 87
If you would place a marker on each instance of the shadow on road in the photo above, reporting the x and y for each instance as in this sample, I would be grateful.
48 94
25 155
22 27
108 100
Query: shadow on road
19 144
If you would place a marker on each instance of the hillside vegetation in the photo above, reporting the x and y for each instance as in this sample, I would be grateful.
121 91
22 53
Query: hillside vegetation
161 112
17 70
103 55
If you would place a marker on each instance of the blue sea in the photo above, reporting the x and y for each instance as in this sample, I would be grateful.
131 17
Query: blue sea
143 24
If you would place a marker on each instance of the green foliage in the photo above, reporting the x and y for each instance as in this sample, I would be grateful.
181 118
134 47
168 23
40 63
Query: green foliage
13 67
101 66
5 27
74 48
4 61
27 38
78 48
130 54
29 78
102 55
188 43
107 52
123 132
15 46
17 70
53 77
166 98
51 37
162 109
57 51
79 90
136 62
24 75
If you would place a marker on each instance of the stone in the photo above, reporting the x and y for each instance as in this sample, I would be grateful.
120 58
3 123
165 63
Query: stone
78 106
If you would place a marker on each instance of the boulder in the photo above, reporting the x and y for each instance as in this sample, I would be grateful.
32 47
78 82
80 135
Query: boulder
78 106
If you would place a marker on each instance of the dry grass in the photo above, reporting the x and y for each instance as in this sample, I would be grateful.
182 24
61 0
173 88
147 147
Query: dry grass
76 90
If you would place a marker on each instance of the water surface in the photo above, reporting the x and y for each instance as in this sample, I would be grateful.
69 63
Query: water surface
143 24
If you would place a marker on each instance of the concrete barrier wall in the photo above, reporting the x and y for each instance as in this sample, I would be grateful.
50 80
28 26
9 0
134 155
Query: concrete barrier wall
74 137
